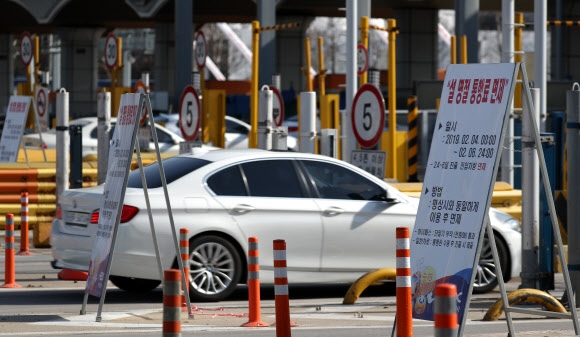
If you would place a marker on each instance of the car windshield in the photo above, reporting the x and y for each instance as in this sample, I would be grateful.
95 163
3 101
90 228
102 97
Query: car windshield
174 168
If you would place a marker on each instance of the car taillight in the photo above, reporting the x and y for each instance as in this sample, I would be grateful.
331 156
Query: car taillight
58 212
292 129
127 213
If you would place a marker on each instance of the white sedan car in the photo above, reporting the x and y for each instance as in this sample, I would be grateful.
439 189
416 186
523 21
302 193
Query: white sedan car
338 221
168 141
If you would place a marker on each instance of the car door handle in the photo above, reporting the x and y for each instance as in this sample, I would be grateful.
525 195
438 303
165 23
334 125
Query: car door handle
243 208
333 211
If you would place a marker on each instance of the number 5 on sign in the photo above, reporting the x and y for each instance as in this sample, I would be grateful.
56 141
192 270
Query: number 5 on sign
368 115
189 113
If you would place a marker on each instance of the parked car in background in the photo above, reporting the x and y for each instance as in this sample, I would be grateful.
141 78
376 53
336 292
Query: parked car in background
236 136
168 140
338 222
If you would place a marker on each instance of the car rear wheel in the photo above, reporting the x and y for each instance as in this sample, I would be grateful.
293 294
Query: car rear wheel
215 268
134 285
486 274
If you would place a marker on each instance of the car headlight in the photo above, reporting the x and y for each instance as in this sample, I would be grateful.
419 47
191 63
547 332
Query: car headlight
514 224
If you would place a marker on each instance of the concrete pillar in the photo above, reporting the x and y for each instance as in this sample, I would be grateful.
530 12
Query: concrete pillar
349 142
79 68
6 71
183 48
267 17
467 23
291 54
164 53
417 49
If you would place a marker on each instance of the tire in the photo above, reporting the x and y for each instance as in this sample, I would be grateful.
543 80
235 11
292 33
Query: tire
134 285
215 268
486 273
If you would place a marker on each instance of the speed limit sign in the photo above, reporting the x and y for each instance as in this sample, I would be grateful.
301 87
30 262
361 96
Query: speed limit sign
368 115
200 50
362 59
111 52
26 48
189 113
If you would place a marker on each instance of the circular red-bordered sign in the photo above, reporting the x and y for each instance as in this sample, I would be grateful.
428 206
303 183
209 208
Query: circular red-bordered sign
362 59
277 106
111 51
189 113
26 48
368 115
41 102
200 49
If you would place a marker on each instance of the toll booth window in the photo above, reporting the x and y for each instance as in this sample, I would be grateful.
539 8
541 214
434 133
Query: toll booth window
228 182
272 178
337 182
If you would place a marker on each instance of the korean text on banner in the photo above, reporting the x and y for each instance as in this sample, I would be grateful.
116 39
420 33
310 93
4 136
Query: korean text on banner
13 128
120 155
458 182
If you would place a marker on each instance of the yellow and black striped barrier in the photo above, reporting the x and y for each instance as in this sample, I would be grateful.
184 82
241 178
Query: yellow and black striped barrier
394 29
279 27
567 23
413 142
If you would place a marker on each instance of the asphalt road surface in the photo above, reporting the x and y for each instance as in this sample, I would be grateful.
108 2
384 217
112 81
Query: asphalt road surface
45 305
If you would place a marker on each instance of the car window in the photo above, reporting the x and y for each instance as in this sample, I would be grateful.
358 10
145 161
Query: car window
336 182
162 136
174 168
272 178
95 131
233 127
228 181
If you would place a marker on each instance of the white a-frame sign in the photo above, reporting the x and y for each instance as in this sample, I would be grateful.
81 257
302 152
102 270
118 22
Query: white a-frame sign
122 146
463 162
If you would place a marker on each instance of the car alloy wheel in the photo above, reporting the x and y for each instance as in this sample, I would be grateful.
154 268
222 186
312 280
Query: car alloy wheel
486 273
215 268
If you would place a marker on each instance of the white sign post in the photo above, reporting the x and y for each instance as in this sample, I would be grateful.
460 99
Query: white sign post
13 127
120 156
459 181
371 161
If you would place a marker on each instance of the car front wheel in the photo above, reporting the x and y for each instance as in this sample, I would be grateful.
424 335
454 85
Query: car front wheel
486 273
215 268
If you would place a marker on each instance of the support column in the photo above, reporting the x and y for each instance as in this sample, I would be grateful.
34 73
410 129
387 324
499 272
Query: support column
267 17
467 23
6 71
290 50
349 142
183 47
79 68
417 32
164 52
